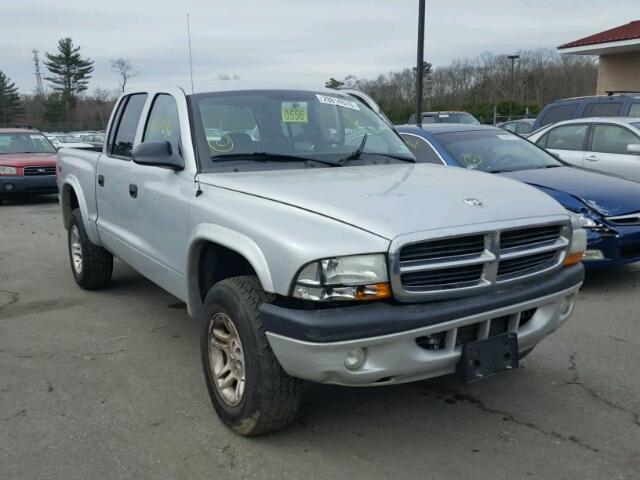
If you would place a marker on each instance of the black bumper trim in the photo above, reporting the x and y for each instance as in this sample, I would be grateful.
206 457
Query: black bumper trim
30 184
375 319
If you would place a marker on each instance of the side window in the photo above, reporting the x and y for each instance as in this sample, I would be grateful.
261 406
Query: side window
163 122
559 113
612 139
511 127
423 152
567 137
127 126
634 110
602 109
428 119
524 128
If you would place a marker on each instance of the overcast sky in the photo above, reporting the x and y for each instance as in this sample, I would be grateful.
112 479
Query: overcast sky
302 41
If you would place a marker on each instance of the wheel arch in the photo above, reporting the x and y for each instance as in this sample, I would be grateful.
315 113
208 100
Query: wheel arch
71 197
216 253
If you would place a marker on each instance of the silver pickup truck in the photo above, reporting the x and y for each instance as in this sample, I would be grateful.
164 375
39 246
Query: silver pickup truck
299 230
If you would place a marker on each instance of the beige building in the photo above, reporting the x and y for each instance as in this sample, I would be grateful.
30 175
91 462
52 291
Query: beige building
619 52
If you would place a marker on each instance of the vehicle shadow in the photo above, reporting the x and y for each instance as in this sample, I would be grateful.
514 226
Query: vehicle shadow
611 279
21 201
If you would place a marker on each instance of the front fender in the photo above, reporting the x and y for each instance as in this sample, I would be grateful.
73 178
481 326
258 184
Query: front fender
232 240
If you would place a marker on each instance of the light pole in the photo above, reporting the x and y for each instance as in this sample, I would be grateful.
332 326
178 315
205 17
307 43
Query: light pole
420 65
513 59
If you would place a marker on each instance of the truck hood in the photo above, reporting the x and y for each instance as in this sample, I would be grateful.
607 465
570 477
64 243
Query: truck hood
391 200
606 194
26 159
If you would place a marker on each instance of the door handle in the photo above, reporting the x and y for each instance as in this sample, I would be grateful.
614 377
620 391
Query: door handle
101 180
133 190
592 158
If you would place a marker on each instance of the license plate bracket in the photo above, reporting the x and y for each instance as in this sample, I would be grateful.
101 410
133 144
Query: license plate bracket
488 357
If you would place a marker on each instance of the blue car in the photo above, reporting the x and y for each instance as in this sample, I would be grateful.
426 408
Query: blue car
607 206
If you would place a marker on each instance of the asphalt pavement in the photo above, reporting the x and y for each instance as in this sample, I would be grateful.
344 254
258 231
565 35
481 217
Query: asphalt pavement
108 385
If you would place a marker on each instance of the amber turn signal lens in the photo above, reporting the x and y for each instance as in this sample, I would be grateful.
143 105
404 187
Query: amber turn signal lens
377 291
573 258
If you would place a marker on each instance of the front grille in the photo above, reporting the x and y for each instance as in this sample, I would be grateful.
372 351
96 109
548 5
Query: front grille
40 171
448 247
529 236
459 265
520 265
444 278
630 250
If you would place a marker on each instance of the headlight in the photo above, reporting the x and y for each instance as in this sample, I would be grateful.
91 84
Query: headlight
578 241
358 277
8 171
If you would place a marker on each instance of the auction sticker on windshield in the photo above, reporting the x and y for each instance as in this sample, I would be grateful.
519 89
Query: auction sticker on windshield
341 102
294 112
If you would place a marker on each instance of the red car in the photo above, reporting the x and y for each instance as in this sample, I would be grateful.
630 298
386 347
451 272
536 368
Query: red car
27 163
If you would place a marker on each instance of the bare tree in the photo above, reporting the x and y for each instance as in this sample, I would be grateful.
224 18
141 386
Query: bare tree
124 69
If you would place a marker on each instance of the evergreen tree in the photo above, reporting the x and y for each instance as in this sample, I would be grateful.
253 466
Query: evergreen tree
10 101
333 83
70 73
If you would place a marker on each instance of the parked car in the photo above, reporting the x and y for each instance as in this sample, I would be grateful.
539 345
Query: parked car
69 141
608 145
608 207
522 127
306 256
446 117
27 163
613 105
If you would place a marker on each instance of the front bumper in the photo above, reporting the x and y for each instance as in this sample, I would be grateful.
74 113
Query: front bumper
618 249
401 356
25 185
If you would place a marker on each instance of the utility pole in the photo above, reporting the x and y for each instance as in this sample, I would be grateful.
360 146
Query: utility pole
513 58
36 63
420 65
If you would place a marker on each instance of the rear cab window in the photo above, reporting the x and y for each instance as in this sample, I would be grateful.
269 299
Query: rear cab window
127 125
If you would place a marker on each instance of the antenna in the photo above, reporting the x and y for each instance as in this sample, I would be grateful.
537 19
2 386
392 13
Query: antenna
190 59
36 63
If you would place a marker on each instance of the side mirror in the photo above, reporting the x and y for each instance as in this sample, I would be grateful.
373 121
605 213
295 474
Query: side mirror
634 148
158 154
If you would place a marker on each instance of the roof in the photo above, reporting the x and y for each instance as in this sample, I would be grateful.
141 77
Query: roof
18 130
615 40
443 128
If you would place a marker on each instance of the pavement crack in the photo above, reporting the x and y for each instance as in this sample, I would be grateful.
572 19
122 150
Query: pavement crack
93 355
509 417
14 297
575 380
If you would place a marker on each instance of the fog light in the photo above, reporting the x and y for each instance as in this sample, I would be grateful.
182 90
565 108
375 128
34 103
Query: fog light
567 305
8 186
355 358
593 255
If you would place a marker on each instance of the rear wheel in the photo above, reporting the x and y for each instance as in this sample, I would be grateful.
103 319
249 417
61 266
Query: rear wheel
250 392
91 265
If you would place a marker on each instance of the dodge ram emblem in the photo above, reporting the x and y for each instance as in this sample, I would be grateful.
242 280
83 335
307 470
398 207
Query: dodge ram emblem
473 202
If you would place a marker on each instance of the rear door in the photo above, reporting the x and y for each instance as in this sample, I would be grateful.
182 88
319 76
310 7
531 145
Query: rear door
607 150
567 141
114 176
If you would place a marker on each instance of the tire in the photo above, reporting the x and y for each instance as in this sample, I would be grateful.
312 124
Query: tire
96 264
268 399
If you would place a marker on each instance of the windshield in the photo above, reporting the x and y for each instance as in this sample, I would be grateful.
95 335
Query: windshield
495 151
327 128
24 143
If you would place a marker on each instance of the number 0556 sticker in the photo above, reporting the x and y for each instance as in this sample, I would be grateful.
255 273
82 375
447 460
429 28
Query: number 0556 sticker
294 112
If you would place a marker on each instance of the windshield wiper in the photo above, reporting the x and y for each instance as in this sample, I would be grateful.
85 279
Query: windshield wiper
358 151
271 157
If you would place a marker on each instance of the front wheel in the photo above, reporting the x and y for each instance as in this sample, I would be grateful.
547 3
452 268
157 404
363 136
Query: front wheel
91 265
249 390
